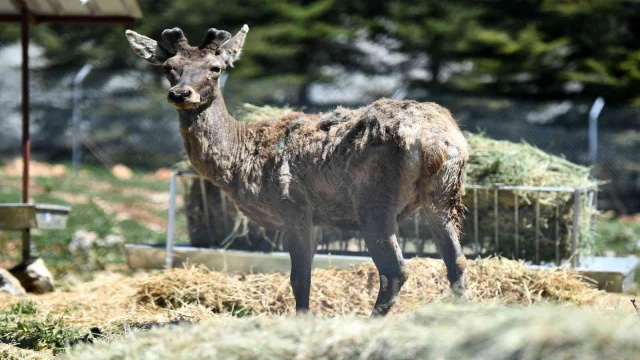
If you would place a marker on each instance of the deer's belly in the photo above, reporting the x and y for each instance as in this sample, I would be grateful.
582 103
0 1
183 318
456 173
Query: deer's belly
260 213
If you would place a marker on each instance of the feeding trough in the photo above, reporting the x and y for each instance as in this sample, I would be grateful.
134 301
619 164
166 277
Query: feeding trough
20 216
24 217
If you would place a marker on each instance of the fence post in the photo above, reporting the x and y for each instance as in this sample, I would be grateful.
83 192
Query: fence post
575 231
594 113
75 118
168 260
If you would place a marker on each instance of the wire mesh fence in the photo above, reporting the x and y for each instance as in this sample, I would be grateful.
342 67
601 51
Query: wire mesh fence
123 117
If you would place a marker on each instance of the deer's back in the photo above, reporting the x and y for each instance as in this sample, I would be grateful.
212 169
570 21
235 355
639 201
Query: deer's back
325 160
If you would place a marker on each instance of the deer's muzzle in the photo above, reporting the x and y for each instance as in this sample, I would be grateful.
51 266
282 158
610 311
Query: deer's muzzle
183 97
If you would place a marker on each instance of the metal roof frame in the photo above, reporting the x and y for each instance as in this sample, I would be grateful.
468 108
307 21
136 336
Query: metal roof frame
31 12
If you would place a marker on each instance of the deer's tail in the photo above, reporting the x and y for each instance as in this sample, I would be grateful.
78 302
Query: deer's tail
441 187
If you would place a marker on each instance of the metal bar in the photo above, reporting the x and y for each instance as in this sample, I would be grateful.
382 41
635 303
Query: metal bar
537 231
557 235
79 19
225 215
575 232
75 115
205 205
515 217
593 203
525 188
594 113
168 260
26 141
10 18
475 221
495 206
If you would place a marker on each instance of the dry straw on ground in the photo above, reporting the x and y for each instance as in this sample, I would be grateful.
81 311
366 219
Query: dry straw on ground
112 301
353 291
438 331
10 352
117 304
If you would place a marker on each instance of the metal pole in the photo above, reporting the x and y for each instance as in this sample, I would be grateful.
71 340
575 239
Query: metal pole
75 118
515 219
495 206
205 205
557 240
168 260
537 231
594 113
475 221
26 142
575 231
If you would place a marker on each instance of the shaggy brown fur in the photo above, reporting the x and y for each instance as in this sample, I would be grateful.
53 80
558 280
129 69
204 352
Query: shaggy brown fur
362 168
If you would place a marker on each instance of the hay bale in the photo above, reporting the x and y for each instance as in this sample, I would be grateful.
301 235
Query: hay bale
437 331
353 291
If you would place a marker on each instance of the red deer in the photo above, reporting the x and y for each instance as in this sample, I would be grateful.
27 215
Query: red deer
364 168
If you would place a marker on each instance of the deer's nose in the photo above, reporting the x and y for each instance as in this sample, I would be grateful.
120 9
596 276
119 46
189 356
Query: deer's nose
179 96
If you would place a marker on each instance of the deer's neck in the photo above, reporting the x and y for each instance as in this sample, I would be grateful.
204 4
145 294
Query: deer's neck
210 138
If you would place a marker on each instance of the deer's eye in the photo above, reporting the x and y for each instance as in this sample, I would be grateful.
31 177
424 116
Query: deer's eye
216 69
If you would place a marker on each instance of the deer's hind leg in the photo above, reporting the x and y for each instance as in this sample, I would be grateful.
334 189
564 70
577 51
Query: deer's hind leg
442 203
378 230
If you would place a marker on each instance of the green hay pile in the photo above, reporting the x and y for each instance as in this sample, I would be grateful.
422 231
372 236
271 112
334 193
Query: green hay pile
494 162
253 113
441 331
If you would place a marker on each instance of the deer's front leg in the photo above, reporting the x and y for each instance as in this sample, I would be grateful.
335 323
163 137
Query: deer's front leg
302 248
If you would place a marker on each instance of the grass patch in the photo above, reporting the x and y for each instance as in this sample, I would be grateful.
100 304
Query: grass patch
23 327
86 195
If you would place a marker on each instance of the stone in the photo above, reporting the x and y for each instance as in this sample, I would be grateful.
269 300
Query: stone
36 169
82 239
110 240
122 172
163 174
10 285
34 276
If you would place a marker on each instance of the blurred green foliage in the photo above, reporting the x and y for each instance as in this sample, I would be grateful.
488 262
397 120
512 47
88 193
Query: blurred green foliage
532 48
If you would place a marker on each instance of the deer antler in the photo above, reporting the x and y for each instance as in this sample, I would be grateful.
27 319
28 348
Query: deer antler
175 38
215 37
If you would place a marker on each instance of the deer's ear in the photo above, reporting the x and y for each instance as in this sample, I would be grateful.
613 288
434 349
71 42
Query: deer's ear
147 48
232 48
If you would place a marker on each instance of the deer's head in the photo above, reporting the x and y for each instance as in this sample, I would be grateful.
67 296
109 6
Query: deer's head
193 71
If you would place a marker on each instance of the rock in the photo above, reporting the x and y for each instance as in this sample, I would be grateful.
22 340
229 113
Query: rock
10 285
36 169
122 172
34 276
82 239
162 174
111 240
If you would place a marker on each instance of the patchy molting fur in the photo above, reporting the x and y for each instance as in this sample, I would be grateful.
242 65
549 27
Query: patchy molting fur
298 151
